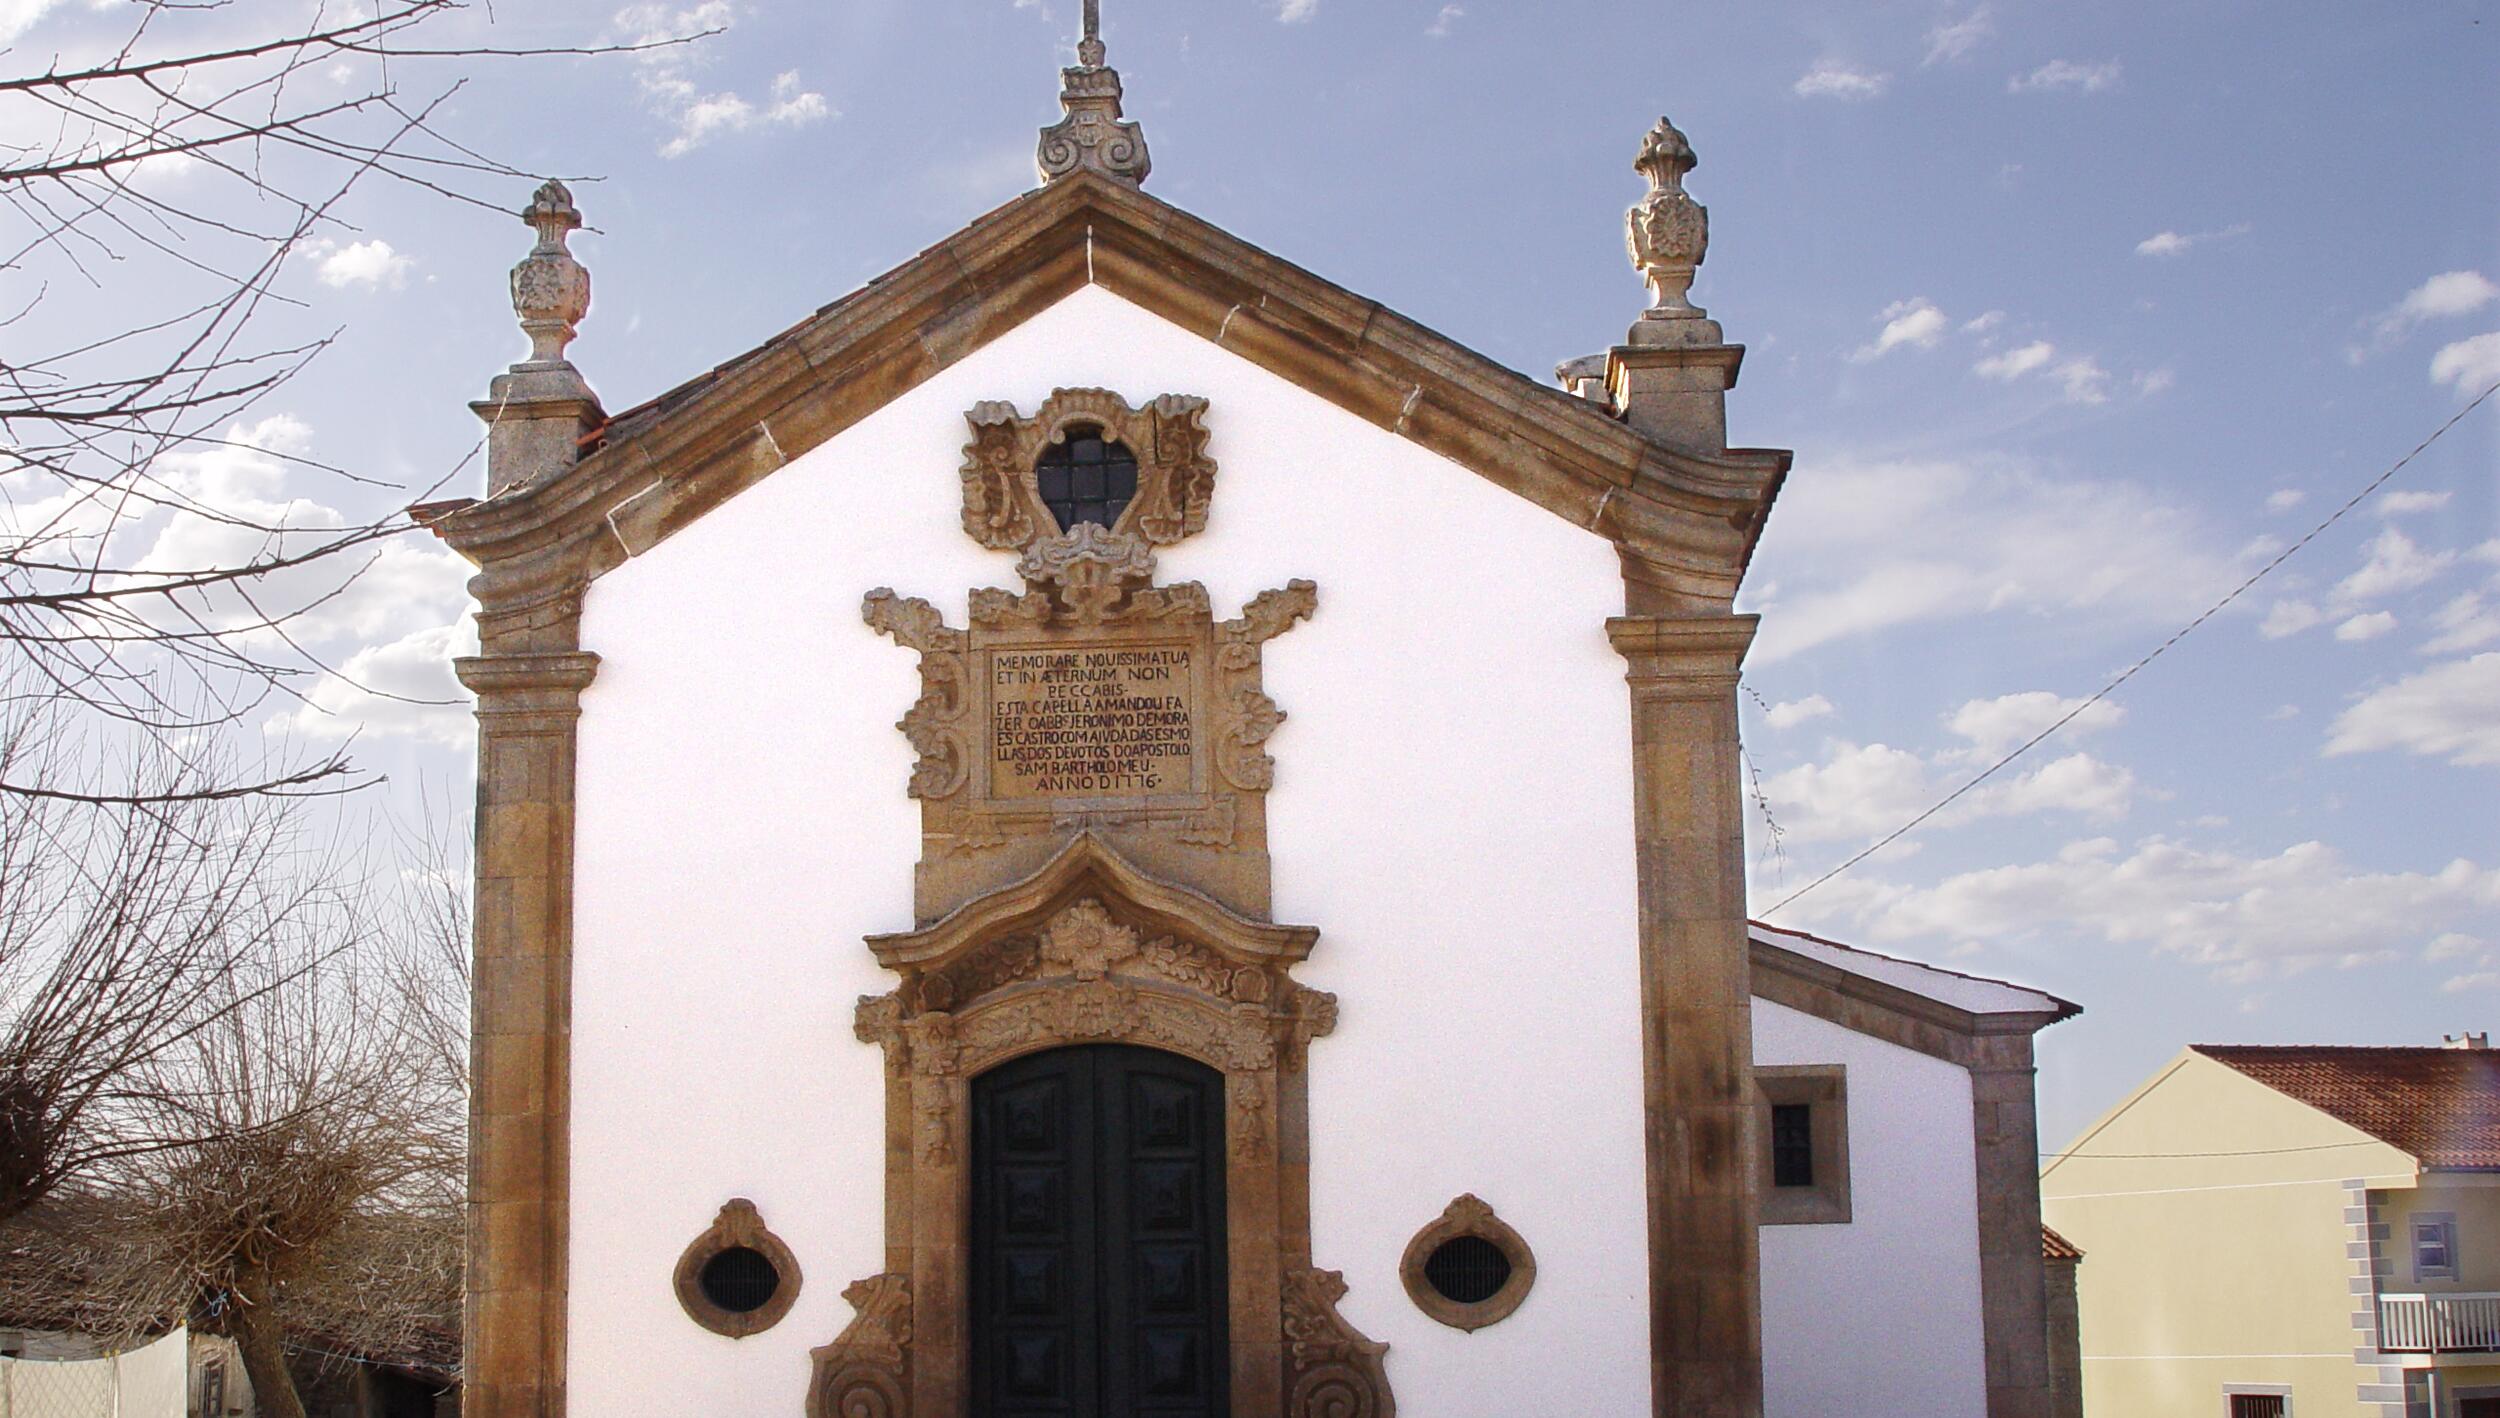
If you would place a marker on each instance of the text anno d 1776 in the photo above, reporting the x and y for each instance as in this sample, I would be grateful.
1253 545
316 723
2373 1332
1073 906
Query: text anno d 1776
1091 723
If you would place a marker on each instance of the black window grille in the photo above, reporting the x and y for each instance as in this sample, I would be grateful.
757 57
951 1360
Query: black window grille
1086 477
740 1280
1467 1270
2258 1405
1792 1144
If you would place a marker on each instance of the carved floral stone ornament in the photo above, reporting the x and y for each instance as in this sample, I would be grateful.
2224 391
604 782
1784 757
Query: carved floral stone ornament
737 1278
1668 232
1468 1268
550 290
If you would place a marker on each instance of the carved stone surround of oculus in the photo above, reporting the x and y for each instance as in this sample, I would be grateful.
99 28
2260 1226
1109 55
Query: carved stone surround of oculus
1094 699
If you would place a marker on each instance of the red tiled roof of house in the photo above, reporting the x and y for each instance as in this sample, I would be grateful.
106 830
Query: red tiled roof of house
2440 1105
2056 1247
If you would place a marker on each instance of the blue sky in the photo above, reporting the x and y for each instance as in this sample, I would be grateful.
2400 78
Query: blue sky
2075 315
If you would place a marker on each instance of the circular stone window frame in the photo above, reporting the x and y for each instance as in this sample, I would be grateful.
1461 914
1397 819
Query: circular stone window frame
1468 1215
738 1225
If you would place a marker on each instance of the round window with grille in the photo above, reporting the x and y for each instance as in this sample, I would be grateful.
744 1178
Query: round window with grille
1468 1269
737 1278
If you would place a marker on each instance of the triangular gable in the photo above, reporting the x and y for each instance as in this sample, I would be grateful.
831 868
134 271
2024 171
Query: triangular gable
1688 521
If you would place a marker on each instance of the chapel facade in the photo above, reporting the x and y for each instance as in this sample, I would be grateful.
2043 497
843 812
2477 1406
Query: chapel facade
1106 827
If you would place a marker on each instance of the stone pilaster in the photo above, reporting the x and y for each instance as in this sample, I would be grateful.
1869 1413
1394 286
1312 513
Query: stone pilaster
2013 1281
513 1321
1696 1014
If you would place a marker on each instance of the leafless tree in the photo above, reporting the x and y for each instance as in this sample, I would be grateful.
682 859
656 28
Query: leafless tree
274 117
120 926
312 1204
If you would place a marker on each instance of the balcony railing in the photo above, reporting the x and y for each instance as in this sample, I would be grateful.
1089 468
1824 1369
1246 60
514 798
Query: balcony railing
2439 1324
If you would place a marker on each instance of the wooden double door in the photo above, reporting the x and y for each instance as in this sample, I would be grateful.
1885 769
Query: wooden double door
1098 1281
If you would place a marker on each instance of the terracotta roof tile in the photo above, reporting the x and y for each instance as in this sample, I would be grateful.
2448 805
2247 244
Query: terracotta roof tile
2440 1105
2056 1247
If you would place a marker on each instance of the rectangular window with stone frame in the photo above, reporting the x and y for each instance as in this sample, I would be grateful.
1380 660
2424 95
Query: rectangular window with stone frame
1803 1131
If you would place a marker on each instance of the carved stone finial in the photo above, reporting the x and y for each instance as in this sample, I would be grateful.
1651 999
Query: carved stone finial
1668 232
550 290
1091 136
537 411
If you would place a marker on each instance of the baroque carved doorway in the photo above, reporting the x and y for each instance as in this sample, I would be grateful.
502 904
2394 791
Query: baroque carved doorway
1098 1237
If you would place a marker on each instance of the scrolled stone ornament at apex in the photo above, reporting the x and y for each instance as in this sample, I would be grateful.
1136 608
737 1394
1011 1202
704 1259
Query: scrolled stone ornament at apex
1092 137
1667 232
550 289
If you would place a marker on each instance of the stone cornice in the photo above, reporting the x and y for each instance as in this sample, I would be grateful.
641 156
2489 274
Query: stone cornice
1090 863
1895 1015
1688 523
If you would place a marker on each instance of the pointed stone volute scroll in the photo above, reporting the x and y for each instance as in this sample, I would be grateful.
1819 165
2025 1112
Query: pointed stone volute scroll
1091 136
537 411
1667 232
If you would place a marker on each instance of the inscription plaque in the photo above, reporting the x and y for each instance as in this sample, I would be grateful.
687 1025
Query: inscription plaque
1101 721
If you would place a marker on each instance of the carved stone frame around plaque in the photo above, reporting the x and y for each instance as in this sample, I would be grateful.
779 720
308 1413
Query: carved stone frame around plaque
1094 870
1016 709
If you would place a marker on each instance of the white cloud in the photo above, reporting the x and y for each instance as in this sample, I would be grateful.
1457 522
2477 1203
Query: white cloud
2464 624
2175 243
700 118
2366 627
2083 381
1294 12
669 90
2394 564
2479 980
2443 712
2448 293
404 688
1983 322
1865 790
1957 38
2239 914
1832 79
2149 382
1915 322
2015 363
2289 618
1787 714
2284 499
2454 945
2397 504
1995 725
1866 545
2065 74
371 264
2472 365
1441 23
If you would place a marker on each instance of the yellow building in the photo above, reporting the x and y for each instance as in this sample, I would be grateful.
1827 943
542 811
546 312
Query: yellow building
2290 1233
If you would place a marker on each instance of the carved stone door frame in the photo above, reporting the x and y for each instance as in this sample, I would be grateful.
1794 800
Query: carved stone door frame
1093 950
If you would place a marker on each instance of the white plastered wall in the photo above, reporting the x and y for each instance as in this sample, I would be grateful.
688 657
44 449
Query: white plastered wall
1452 810
1881 1315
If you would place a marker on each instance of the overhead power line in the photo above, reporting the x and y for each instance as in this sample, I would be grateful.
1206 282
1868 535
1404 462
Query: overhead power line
1905 829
